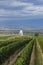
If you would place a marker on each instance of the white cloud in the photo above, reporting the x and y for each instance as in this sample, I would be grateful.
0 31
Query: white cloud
17 3
40 0
4 12
29 9
4 3
33 10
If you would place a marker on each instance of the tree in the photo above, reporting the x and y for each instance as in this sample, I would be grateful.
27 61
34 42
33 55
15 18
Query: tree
36 34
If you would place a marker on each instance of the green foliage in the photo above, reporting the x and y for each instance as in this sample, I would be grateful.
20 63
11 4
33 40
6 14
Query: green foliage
8 42
11 48
41 43
24 58
36 34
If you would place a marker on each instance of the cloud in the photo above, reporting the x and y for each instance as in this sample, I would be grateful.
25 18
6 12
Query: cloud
28 9
35 10
40 0
19 3
4 12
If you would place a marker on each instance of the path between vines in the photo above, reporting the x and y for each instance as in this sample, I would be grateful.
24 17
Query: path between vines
32 60
32 56
14 57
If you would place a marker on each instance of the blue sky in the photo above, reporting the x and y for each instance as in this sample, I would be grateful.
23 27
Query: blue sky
21 13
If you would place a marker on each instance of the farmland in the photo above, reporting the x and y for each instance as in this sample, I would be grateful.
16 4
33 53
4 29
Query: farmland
21 50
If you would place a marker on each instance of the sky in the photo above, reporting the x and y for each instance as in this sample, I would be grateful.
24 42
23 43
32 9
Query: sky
21 13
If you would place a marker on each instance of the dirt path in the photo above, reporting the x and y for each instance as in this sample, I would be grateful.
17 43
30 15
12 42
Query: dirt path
32 56
14 57
39 53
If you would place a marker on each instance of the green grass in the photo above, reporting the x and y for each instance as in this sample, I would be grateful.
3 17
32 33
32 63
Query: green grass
41 42
38 56
8 42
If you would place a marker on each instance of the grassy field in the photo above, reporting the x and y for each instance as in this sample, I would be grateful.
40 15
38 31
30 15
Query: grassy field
41 42
18 50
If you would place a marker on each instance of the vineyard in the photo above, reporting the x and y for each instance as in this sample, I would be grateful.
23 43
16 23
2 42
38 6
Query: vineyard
21 50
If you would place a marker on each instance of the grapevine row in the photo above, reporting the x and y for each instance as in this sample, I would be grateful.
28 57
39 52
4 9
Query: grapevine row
7 51
24 58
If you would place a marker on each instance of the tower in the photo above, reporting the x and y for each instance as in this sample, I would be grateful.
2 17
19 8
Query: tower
21 33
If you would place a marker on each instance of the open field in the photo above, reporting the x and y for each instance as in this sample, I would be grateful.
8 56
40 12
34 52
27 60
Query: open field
21 50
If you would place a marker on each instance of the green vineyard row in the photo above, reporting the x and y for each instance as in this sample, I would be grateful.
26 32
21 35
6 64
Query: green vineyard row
24 58
8 42
7 51
41 43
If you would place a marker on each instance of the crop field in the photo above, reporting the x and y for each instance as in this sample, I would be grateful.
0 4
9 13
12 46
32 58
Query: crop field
41 42
21 50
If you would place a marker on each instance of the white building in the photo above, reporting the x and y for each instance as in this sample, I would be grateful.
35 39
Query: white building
21 33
